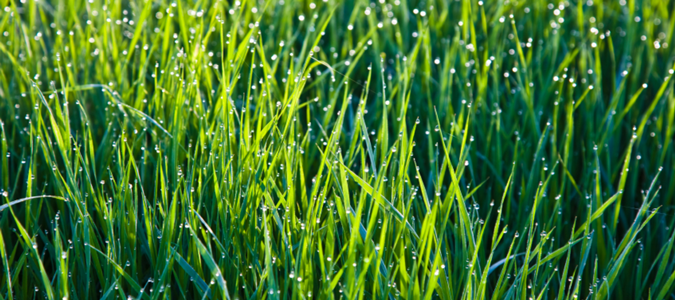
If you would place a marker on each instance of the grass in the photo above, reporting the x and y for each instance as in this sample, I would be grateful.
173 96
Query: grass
283 149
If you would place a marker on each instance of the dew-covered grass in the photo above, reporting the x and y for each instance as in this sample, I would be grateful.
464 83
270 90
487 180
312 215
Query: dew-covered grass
290 149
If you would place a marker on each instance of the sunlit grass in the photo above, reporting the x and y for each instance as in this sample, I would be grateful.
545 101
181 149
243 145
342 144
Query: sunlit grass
285 149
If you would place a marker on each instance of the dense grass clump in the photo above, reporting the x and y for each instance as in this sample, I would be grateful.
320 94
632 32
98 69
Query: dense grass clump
285 149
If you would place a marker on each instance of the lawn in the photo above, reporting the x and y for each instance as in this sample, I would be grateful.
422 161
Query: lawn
356 149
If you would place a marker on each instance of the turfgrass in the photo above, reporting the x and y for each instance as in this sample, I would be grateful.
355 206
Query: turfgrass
492 149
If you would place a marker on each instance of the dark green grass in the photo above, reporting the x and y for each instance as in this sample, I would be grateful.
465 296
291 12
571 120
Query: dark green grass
337 149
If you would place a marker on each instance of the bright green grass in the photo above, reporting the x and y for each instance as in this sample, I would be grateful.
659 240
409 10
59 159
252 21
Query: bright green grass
357 150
